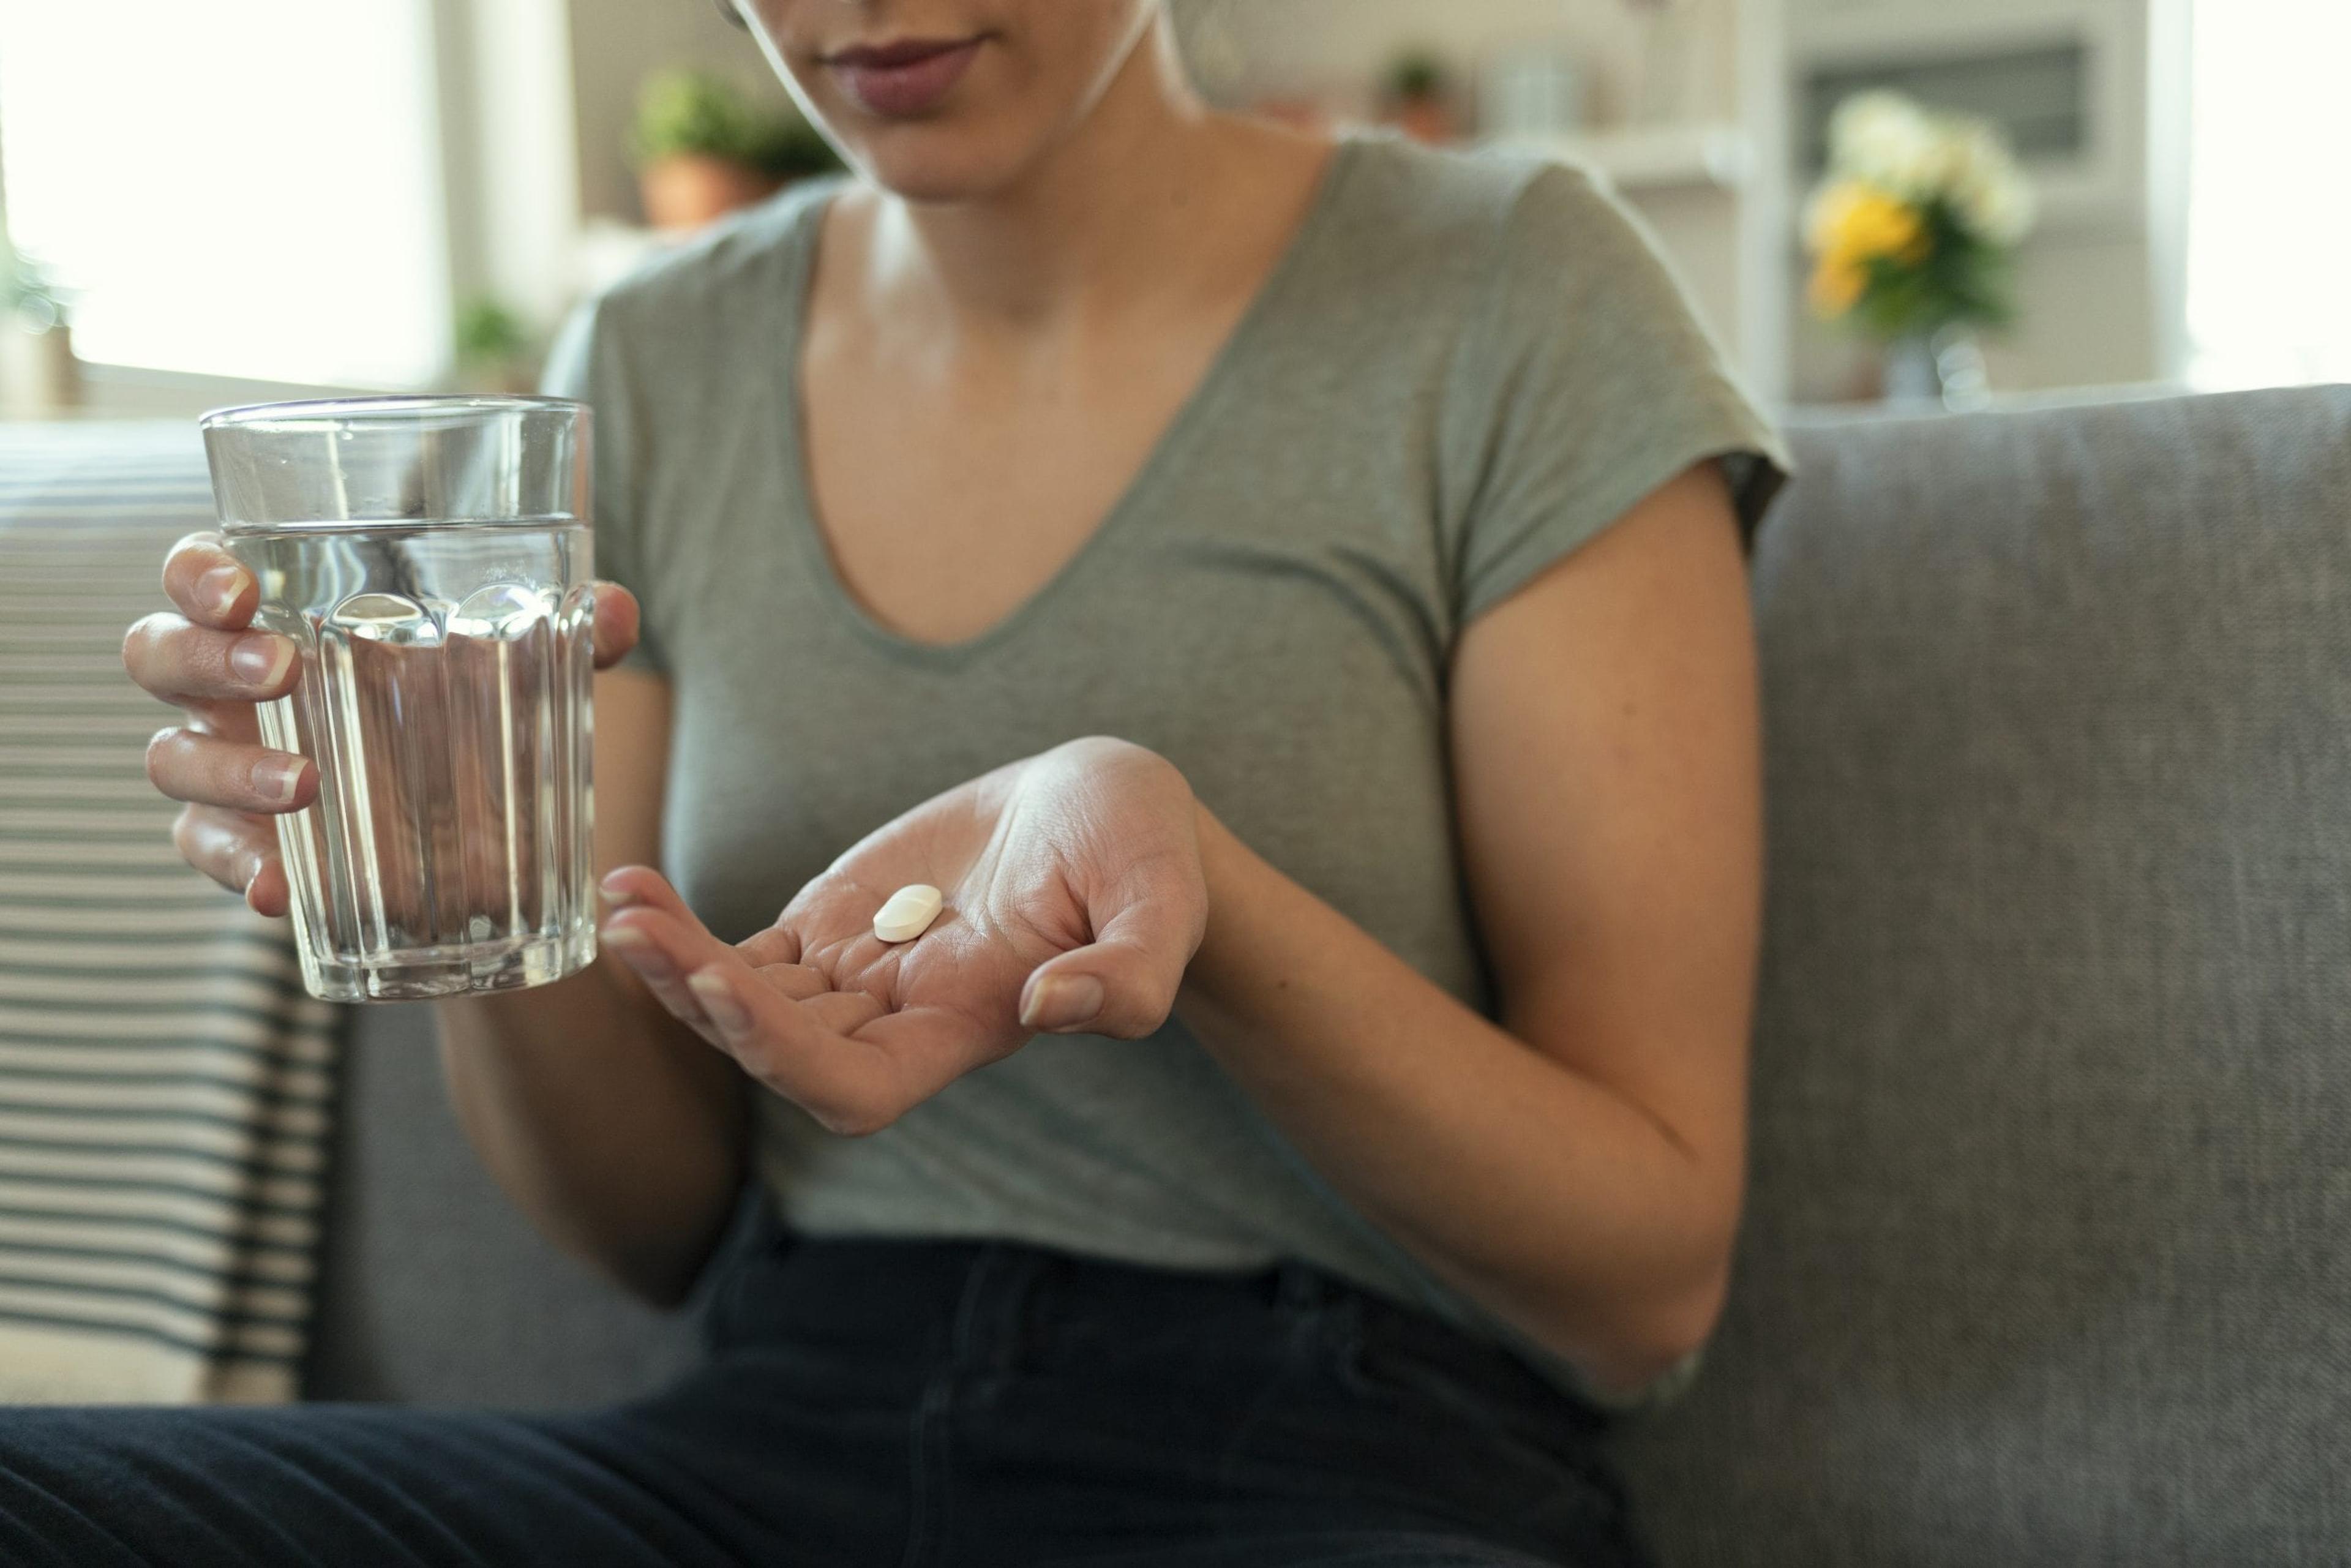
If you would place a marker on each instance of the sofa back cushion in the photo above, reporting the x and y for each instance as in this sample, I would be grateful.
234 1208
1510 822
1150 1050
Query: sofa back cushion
2048 1255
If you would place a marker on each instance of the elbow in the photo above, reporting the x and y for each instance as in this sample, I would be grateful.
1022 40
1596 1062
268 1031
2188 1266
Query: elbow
1652 1335
1679 1329
658 1255
1676 1296
662 1276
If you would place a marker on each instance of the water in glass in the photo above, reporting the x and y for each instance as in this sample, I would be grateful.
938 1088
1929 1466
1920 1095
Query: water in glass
445 699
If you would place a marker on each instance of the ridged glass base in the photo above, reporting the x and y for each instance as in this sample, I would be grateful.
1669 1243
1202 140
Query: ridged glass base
511 965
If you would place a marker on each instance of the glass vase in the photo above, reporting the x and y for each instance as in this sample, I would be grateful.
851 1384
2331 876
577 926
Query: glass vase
1938 370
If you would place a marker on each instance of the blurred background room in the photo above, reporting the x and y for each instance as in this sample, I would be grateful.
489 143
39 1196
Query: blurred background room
266 197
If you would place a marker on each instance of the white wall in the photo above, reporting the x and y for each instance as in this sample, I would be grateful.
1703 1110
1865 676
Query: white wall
509 149
1243 46
526 121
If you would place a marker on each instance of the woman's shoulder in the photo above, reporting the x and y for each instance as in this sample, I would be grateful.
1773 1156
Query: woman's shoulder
723 269
1482 244
1484 202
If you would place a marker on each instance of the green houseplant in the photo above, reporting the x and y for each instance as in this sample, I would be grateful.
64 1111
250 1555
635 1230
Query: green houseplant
1416 97
496 351
702 149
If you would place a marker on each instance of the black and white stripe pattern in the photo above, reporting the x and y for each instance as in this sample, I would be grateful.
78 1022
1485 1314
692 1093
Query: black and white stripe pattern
166 1085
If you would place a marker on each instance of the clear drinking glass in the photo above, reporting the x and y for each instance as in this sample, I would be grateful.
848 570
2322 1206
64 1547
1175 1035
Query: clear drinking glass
431 557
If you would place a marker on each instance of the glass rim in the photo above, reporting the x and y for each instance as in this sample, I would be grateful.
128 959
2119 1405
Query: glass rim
389 412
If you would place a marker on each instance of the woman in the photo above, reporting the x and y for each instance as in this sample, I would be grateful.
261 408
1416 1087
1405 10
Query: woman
1289 595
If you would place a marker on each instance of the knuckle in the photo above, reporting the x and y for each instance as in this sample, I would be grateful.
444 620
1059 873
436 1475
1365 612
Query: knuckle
138 641
1138 1020
854 1116
192 554
180 557
1156 1004
199 843
147 649
162 746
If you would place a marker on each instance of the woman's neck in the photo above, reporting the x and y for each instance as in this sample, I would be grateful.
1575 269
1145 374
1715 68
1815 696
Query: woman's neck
1089 227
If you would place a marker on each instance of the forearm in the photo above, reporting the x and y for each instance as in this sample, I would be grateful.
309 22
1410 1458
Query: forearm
1553 1201
617 1129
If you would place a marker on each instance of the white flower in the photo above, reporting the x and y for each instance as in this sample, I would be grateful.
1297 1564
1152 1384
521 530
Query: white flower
1886 139
1985 186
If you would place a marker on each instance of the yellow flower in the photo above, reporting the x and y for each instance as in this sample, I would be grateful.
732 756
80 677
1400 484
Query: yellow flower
1836 285
1857 220
1848 223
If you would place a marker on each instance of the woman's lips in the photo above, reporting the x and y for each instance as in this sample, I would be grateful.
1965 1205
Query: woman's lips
900 81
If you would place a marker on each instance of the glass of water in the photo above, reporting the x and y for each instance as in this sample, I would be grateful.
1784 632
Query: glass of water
431 559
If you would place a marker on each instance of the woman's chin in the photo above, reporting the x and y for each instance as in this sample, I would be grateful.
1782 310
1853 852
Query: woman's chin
937 163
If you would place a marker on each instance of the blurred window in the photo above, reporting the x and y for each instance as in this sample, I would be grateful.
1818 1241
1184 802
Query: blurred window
2268 224
241 188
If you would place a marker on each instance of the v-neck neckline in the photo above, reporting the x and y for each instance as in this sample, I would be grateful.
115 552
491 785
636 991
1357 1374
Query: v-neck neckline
1192 418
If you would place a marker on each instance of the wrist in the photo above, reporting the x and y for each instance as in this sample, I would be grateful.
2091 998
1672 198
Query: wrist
1226 869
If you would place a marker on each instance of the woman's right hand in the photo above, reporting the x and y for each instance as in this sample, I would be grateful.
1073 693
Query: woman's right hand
208 661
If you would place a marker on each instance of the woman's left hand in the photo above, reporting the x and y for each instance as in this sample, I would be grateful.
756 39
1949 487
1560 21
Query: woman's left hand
1074 901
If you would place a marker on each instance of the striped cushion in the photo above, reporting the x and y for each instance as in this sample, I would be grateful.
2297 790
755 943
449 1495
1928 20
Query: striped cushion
166 1085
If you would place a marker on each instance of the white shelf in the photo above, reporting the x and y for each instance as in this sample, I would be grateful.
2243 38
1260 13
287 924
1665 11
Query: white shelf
1654 157
608 251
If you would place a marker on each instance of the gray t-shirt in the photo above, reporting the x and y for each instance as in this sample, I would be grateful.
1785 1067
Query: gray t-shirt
1462 369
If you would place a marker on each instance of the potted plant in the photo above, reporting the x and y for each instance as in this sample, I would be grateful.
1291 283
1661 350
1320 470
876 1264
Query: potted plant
495 352
703 150
1912 231
1416 97
38 371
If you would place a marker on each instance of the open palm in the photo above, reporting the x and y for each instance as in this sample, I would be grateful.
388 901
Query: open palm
1074 900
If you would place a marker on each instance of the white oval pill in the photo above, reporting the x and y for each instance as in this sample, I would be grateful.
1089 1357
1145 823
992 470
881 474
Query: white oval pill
908 913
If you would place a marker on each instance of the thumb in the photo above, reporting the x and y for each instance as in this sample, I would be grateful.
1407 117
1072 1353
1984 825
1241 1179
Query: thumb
615 611
1122 984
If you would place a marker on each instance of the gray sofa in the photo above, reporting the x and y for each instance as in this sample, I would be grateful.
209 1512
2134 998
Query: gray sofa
2046 1255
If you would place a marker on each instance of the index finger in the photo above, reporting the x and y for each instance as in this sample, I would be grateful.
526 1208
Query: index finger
211 586
781 1040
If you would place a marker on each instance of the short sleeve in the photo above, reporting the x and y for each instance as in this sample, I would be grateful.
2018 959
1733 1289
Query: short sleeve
1586 383
584 364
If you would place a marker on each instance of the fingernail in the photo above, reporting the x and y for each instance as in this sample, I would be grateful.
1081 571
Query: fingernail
718 999
275 778
611 894
220 587
1062 1001
261 659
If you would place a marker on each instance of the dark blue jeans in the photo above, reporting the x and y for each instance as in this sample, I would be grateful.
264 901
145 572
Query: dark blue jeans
888 1405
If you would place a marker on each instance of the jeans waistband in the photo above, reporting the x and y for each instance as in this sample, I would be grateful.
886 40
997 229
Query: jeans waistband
860 1288
993 1297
